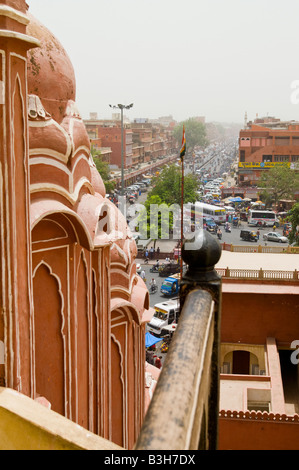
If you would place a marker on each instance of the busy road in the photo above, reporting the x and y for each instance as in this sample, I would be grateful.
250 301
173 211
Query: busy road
230 238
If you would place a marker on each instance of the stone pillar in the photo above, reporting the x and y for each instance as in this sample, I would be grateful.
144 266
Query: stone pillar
201 254
15 240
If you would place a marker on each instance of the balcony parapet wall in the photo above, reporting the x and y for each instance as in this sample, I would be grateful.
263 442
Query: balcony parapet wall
258 416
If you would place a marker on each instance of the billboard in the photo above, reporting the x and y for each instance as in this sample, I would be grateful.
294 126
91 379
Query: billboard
261 165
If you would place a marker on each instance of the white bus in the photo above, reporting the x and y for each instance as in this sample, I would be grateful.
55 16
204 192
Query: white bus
266 218
208 211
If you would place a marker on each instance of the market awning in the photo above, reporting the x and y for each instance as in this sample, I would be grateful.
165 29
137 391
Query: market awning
150 340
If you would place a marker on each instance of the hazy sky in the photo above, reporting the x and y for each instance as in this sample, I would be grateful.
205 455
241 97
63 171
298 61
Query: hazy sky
213 58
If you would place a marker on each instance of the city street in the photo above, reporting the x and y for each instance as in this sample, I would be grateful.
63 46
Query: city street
230 238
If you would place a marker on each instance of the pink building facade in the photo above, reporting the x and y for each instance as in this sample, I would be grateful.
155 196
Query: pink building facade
73 308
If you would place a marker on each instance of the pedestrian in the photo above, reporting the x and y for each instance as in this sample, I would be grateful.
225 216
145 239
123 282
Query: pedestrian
158 362
142 275
158 250
152 252
150 356
146 254
258 234
274 228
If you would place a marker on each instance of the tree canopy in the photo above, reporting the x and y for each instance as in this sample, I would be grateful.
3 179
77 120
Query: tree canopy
195 132
163 205
294 219
155 221
168 186
280 182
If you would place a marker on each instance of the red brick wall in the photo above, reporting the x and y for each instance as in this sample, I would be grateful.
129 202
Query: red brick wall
257 434
251 318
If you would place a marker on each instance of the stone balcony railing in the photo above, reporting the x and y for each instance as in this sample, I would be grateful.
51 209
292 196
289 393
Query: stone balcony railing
183 414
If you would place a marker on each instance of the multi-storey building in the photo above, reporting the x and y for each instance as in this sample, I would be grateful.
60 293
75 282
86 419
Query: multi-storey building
259 394
110 134
265 143
144 142
158 141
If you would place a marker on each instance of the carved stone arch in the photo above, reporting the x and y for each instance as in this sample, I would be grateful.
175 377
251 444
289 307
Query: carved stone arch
118 393
95 352
55 210
125 372
49 337
19 139
82 341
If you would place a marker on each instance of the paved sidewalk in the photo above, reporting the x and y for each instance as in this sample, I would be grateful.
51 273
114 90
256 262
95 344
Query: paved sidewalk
166 246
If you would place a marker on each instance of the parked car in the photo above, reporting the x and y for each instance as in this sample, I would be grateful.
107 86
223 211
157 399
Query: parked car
275 237
169 269
211 224
248 236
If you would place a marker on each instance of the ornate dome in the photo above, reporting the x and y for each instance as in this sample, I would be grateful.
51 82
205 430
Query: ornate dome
50 72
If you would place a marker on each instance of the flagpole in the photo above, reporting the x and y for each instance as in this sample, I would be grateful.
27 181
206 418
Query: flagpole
182 154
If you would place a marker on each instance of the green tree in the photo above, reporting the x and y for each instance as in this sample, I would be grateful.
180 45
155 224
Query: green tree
280 182
167 186
294 219
155 221
195 134
103 169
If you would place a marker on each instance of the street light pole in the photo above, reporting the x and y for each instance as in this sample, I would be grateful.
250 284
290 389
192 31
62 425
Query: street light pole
122 107
122 150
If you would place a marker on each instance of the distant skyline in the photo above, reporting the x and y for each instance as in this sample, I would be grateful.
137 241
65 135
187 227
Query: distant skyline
212 58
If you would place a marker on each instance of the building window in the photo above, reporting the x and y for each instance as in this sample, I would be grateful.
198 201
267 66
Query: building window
226 368
295 158
245 142
282 141
281 158
267 158
258 406
242 155
258 399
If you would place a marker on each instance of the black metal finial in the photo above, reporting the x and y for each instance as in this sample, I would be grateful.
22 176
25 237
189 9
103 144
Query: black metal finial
202 252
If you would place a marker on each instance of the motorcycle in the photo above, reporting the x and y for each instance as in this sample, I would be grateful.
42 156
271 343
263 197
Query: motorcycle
155 269
153 289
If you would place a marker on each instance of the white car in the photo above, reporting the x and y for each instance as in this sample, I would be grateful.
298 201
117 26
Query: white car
275 237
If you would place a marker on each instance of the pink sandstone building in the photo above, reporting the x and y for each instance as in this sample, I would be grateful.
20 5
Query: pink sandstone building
73 308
